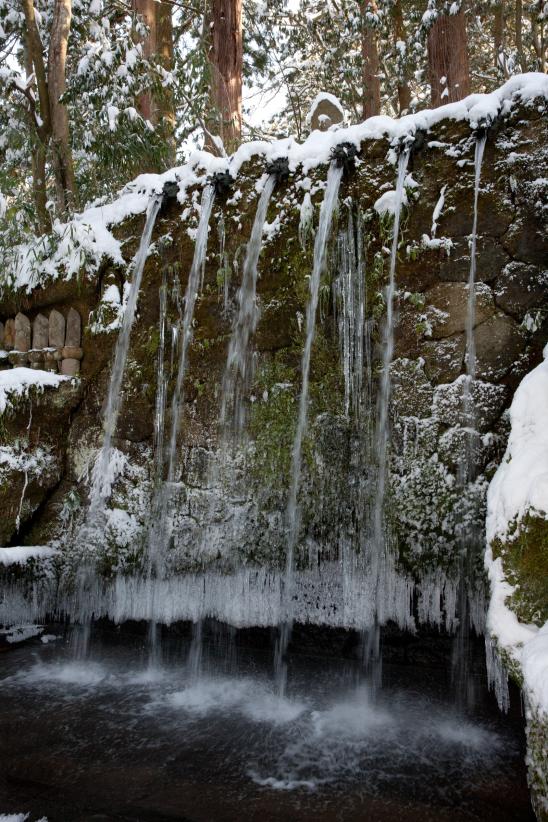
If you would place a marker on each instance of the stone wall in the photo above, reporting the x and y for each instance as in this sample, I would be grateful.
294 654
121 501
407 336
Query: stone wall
234 515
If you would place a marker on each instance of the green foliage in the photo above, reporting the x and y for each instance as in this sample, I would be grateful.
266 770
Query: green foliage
525 560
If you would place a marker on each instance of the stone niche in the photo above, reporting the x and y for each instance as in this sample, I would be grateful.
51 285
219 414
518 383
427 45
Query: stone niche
51 343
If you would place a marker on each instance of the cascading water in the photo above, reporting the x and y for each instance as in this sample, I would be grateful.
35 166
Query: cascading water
379 555
466 469
334 177
159 531
159 426
350 305
239 365
102 472
102 478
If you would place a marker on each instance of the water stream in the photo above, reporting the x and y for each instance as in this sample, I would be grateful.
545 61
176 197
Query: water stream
334 177
239 364
102 474
159 531
379 549
470 538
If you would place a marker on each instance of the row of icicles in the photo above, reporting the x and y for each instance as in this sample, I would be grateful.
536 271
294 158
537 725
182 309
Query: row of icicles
237 379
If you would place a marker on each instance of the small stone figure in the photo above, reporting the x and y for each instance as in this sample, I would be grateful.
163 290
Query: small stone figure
22 333
56 329
40 332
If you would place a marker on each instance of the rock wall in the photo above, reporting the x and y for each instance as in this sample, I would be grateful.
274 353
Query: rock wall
230 505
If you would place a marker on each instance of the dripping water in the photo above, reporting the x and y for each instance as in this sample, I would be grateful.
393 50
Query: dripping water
239 365
334 177
462 681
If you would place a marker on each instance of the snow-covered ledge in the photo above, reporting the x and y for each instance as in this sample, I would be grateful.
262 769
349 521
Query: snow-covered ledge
517 507
17 382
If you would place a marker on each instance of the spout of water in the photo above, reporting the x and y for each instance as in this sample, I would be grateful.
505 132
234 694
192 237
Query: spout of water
279 168
222 182
344 156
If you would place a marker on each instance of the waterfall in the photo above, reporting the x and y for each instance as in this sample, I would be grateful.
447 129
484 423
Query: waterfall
350 306
466 469
334 177
378 554
239 364
467 403
159 530
102 479
161 387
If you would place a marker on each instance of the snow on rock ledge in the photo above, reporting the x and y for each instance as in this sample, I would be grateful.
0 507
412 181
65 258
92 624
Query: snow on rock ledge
87 239
20 554
17 382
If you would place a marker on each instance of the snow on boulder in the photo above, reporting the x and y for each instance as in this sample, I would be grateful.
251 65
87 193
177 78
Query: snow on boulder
326 111
520 488
520 484
17 382
18 555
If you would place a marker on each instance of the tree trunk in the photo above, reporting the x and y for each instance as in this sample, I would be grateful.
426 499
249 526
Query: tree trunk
498 36
147 11
226 60
62 153
370 64
448 59
166 105
36 61
38 157
519 34
404 93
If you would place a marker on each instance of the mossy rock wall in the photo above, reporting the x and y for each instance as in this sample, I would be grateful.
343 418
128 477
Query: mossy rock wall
230 509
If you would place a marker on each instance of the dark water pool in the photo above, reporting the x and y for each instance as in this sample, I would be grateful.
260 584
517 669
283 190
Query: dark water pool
110 739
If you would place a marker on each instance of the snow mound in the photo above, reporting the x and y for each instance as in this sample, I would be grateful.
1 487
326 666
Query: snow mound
521 481
519 485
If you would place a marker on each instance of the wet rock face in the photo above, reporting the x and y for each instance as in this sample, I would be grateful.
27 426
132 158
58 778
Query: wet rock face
236 515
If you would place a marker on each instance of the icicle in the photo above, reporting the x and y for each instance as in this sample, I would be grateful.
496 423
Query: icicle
497 676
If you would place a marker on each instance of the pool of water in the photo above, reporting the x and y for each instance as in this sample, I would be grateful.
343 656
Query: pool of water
111 737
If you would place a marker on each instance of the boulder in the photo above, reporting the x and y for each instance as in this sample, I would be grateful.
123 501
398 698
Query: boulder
448 308
325 114
1 335
520 287
22 333
56 329
499 343
490 260
443 359
40 332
